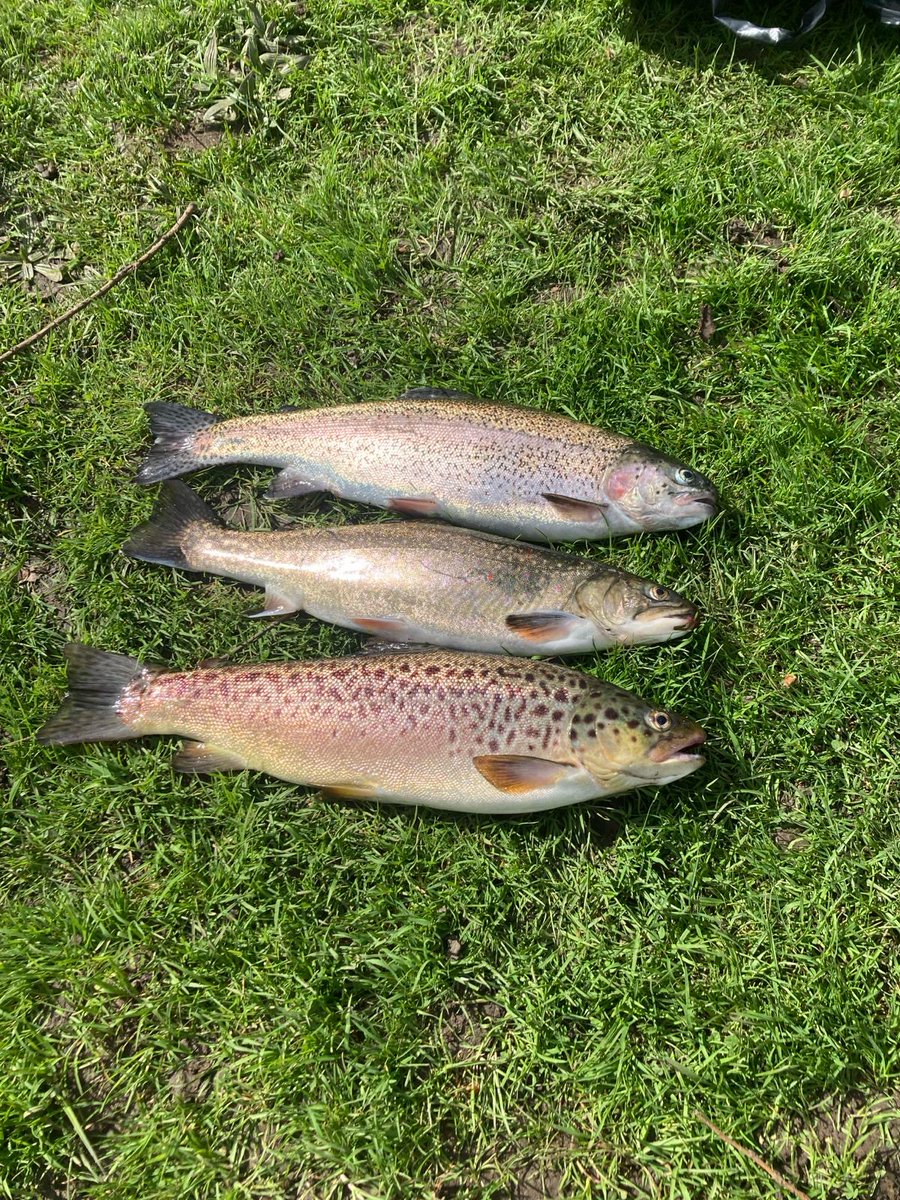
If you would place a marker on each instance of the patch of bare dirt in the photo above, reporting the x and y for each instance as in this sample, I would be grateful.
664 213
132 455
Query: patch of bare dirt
560 293
865 1127
759 237
789 837
466 1026
45 581
193 1079
192 139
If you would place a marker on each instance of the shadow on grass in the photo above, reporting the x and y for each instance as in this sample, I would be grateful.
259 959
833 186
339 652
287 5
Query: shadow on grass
686 33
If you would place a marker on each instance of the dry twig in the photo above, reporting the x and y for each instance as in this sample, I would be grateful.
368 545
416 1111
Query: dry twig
101 291
753 1156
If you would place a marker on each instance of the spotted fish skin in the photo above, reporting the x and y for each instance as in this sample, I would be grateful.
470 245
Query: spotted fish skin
466 732
418 581
509 470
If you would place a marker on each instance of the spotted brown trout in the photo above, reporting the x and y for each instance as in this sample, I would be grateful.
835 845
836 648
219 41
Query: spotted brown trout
414 581
509 470
469 732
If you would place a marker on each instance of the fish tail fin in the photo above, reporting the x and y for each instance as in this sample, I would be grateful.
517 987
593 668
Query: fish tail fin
90 711
175 428
163 538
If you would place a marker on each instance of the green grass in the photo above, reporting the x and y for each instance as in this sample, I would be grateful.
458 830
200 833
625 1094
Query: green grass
234 988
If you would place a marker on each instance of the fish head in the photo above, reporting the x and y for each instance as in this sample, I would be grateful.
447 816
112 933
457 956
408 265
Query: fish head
652 491
623 742
634 611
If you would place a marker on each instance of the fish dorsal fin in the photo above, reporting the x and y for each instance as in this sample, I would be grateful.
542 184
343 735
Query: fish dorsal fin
520 773
542 626
429 393
199 758
576 510
375 645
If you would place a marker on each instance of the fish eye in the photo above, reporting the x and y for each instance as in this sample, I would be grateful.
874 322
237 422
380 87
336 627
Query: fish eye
659 720
656 592
686 476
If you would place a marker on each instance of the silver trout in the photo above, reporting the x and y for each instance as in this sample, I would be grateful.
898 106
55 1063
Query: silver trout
509 470
413 581
469 732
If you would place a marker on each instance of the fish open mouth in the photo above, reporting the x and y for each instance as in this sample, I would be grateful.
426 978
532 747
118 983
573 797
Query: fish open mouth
677 751
708 499
687 620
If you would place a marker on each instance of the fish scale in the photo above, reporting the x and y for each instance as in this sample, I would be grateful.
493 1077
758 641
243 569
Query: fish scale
508 469
421 581
467 732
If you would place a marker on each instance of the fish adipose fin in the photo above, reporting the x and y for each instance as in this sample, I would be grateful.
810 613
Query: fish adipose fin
414 506
174 428
542 626
276 605
428 393
519 773
161 540
198 758
90 710
575 510
291 482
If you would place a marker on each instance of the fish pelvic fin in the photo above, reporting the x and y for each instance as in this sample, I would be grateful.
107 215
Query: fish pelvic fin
162 539
174 428
90 711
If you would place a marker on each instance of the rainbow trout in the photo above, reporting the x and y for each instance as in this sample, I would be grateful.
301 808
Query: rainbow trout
413 581
470 732
509 470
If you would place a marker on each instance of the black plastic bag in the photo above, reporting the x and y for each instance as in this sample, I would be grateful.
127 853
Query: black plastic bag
887 11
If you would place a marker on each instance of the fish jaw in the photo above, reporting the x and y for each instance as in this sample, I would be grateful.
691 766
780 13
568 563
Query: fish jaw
651 628
691 510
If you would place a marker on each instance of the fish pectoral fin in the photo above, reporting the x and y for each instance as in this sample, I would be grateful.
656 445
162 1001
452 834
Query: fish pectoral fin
348 791
519 773
392 629
542 626
276 605
576 510
290 482
414 506
199 758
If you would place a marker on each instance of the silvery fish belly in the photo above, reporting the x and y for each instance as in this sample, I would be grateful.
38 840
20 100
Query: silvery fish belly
510 470
468 732
417 581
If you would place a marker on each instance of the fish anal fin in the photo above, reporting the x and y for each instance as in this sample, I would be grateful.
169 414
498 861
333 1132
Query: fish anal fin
414 506
575 510
520 773
348 791
290 482
542 626
276 605
393 629
199 758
